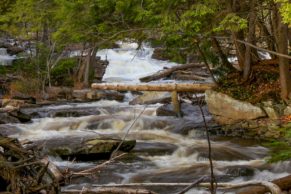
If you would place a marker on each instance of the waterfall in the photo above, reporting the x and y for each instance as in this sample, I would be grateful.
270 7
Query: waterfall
3 52
5 58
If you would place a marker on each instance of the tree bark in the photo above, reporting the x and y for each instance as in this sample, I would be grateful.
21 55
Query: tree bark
87 67
251 38
111 190
168 72
234 7
284 183
185 87
282 46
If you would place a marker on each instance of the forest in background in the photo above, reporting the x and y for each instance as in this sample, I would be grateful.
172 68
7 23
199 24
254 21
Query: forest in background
183 27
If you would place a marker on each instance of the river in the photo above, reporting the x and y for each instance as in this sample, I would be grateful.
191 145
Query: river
164 153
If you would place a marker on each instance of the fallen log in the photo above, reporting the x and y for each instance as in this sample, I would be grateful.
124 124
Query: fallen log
53 170
269 186
284 183
167 72
179 87
112 190
190 77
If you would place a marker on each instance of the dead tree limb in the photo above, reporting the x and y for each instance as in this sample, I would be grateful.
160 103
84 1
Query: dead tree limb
167 72
269 186
284 183
112 190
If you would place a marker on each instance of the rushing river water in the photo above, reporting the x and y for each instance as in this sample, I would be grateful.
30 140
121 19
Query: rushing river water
168 150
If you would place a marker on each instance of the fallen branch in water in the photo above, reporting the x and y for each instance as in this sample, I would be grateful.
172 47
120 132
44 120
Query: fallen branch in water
271 187
95 168
112 190
284 183
167 72
194 184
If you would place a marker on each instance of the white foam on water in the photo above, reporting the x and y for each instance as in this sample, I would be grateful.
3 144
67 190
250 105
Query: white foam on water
5 59
128 64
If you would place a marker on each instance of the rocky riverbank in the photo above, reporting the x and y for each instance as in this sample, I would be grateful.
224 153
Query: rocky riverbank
264 120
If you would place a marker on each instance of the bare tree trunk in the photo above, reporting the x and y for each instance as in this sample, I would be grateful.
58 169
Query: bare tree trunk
234 7
251 38
87 68
167 72
90 62
282 46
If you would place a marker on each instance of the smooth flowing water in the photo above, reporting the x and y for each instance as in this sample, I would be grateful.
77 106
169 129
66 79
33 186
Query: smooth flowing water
169 149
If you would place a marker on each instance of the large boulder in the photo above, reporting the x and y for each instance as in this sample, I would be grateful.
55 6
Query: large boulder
228 110
16 103
83 147
13 116
152 98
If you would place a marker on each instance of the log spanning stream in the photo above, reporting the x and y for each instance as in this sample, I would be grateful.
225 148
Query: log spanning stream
167 150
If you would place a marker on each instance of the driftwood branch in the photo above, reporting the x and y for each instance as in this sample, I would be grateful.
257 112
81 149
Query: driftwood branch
258 48
167 72
112 190
96 168
194 184
271 187
284 183
179 87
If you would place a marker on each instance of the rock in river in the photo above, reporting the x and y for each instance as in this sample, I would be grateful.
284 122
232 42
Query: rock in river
83 147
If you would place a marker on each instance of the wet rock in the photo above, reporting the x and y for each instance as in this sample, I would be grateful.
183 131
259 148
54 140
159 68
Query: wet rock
13 103
152 98
7 130
83 147
154 148
172 175
5 118
99 69
27 99
229 110
239 171
166 110
188 110
108 95
270 110
22 117
59 93
287 110
80 94
13 115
